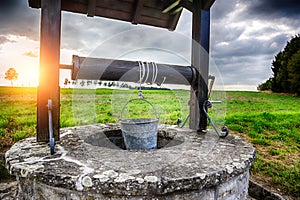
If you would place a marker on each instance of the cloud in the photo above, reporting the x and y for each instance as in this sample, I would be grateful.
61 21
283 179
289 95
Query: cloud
16 18
31 54
280 13
274 8
246 35
4 39
83 33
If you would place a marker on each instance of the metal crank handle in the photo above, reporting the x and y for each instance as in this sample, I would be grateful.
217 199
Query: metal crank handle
224 128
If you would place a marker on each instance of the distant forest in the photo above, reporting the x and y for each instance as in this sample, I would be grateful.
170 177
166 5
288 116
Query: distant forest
286 69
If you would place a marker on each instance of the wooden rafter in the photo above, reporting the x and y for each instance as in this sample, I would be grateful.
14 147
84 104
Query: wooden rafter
138 11
147 12
91 8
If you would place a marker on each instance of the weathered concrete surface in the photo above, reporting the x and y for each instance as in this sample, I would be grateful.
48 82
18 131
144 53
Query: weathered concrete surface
259 192
8 190
198 167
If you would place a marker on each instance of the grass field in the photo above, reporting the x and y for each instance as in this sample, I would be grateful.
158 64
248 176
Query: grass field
271 122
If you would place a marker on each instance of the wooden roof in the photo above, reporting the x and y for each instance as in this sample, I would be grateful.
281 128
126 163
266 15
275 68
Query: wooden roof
159 13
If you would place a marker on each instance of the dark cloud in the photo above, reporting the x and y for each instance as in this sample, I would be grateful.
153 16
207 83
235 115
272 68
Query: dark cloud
80 32
252 46
274 8
9 6
16 18
226 33
4 39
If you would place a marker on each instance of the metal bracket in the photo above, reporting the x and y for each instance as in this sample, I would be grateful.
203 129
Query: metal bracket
51 138
208 104
224 131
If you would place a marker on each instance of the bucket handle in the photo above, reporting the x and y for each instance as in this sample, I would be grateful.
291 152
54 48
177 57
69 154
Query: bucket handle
155 111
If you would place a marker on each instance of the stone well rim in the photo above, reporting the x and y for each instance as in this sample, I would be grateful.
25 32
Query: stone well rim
177 168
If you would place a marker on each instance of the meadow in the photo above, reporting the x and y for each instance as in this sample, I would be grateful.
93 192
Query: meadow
271 122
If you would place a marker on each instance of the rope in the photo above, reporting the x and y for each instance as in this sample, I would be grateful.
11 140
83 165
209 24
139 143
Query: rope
159 84
147 65
155 72
142 68
145 72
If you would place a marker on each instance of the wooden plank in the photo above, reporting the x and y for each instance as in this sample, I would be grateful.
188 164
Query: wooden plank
118 15
150 14
114 14
137 11
154 13
123 70
116 5
49 69
157 4
75 8
153 21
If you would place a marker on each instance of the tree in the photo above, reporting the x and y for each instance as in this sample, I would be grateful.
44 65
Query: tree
11 75
66 82
265 86
89 82
294 73
285 69
82 83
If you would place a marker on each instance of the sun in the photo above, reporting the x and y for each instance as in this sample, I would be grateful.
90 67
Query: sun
28 75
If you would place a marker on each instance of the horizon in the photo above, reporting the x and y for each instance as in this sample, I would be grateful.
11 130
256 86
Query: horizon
241 51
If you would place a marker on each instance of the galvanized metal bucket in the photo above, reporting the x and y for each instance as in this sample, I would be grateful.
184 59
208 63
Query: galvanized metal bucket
139 133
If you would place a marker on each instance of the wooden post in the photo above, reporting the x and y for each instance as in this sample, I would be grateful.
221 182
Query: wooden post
200 61
49 69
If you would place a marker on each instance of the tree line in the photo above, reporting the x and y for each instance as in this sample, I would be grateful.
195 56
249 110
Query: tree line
84 83
286 69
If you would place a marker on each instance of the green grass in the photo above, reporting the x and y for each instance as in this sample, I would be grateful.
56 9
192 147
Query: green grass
271 122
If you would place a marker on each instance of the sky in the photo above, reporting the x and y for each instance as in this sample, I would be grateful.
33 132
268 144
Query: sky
245 37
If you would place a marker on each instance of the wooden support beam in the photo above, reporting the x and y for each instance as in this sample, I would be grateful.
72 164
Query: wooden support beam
123 70
200 61
64 66
49 69
91 8
138 11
